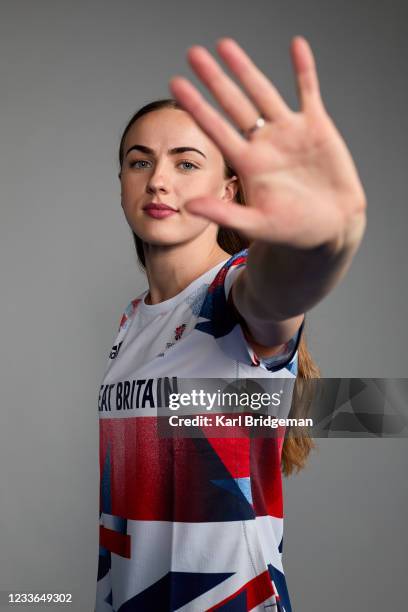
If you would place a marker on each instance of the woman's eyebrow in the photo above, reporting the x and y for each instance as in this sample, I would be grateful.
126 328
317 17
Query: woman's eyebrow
149 151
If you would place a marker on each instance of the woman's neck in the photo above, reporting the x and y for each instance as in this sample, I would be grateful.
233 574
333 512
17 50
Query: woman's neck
169 270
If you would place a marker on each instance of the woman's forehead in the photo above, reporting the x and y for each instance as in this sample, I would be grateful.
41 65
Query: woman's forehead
169 127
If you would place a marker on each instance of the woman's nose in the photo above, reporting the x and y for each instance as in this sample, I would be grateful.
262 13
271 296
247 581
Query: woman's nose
158 182
156 187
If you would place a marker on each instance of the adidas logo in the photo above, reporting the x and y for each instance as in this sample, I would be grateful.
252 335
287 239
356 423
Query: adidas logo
115 350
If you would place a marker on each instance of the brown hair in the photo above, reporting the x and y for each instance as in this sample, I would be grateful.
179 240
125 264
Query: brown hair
295 448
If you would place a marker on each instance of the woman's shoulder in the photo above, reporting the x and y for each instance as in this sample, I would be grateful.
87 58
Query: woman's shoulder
215 314
129 311
222 281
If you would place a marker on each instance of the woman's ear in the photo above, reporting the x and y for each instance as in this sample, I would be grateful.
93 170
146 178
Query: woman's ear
231 189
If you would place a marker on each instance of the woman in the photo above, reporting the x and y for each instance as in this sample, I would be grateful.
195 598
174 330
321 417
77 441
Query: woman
196 523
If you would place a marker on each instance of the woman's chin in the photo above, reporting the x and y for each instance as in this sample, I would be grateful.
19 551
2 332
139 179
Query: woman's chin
160 238
165 236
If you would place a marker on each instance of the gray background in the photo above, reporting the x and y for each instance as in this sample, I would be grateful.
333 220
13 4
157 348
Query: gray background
71 76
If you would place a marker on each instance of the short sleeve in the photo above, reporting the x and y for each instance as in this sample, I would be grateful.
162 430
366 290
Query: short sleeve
287 356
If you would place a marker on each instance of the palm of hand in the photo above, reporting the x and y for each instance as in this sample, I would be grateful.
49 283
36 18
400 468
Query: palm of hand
301 187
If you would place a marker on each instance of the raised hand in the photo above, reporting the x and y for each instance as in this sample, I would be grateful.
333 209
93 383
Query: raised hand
300 183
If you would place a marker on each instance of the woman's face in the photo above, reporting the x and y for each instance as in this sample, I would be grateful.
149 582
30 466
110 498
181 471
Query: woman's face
168 159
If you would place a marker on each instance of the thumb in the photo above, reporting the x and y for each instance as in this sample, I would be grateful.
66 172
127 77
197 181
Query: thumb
226 213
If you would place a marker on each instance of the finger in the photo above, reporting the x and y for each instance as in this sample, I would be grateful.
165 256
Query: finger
278 228
256 84
306 75
223 88
231 144
227 214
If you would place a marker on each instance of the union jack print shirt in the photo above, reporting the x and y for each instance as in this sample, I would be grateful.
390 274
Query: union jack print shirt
187 524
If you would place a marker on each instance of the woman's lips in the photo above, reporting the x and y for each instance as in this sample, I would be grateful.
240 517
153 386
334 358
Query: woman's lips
158 210
159 213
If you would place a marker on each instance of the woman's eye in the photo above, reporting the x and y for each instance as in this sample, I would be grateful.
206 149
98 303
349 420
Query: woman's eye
187 163
137 162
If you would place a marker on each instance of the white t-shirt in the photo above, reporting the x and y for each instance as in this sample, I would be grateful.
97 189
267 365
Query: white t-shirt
187 524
